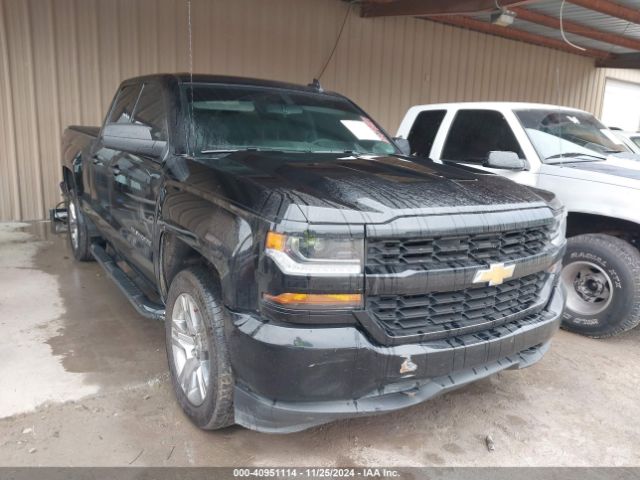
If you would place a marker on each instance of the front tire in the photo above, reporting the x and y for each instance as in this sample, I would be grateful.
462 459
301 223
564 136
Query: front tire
199 364
601 276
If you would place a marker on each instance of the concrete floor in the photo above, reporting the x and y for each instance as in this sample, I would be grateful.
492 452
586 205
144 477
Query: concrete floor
85 383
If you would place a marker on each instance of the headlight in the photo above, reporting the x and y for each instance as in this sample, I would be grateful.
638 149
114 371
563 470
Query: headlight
559 231
319 255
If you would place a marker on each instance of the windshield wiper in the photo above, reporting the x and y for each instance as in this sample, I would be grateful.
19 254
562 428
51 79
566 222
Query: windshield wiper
338 152
241 149
573 156
352 153
220 151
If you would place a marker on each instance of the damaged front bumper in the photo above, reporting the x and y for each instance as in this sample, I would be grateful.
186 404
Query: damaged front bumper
289 379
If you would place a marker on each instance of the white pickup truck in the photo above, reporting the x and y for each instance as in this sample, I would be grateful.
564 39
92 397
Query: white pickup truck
570 153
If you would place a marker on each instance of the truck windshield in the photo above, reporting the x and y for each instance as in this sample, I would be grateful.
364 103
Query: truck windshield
234 117
558 134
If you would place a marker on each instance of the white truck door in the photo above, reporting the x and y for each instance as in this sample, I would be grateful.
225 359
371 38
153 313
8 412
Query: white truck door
422 128
467 135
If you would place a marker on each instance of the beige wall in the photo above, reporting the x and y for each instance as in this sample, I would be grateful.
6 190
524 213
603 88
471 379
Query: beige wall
61 61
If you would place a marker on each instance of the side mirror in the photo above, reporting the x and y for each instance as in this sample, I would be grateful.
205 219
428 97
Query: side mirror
132 138
403 145
505 161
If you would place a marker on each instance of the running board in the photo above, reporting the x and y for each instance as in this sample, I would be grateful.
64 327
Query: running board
138 299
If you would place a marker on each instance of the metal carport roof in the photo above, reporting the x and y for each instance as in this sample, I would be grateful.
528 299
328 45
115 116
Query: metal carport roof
603 29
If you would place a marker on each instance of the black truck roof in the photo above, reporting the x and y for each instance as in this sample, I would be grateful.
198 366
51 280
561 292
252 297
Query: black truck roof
185 77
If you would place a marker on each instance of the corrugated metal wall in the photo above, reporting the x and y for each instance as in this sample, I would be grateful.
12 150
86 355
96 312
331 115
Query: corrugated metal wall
61 61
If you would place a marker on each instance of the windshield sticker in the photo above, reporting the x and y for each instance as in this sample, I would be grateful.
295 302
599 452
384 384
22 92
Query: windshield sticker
362 130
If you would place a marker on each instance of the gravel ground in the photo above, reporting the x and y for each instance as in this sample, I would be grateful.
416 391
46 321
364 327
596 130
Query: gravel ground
85 383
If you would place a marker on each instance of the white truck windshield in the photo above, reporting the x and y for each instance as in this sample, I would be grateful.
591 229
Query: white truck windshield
556 134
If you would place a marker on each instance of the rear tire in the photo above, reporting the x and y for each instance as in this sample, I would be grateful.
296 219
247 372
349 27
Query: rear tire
79 238
601 275
199 364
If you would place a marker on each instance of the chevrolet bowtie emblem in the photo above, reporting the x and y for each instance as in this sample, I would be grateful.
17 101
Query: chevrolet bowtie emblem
495 274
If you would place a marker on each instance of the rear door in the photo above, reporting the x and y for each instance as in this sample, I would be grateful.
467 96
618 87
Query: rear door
136 181
424 130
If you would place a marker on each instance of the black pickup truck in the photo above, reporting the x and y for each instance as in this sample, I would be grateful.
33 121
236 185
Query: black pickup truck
305 268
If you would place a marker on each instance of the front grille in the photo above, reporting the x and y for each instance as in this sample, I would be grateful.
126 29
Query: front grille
456 251
451 312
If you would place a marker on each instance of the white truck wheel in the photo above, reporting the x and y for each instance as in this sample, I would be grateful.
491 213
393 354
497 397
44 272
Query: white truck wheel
601 277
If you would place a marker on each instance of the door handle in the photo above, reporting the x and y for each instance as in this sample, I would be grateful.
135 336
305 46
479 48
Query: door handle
115 169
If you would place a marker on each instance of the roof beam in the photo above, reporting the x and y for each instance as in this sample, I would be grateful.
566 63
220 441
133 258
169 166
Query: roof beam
515 34
626 60
610 8
576 28
388 8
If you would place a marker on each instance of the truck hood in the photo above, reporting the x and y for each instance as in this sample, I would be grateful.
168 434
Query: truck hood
364 189
621 172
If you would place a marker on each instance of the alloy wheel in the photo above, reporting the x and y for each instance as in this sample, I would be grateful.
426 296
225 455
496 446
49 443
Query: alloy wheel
73 224
190 349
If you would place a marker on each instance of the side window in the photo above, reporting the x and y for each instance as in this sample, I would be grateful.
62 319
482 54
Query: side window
475 133
424 130
123 107
150 111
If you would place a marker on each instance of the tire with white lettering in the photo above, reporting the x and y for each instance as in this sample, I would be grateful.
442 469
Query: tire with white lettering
601 277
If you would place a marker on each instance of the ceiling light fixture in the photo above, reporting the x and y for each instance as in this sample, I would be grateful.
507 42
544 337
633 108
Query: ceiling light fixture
503 17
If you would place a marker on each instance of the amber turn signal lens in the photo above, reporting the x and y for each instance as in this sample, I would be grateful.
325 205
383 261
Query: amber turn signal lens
343 300
275 241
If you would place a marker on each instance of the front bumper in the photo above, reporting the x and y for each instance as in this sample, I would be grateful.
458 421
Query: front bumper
289 379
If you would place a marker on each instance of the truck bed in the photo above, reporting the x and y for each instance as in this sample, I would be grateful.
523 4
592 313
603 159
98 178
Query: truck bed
76 139
91 131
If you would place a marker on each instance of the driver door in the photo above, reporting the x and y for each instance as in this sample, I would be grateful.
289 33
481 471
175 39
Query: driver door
103 158
474 133
136 181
